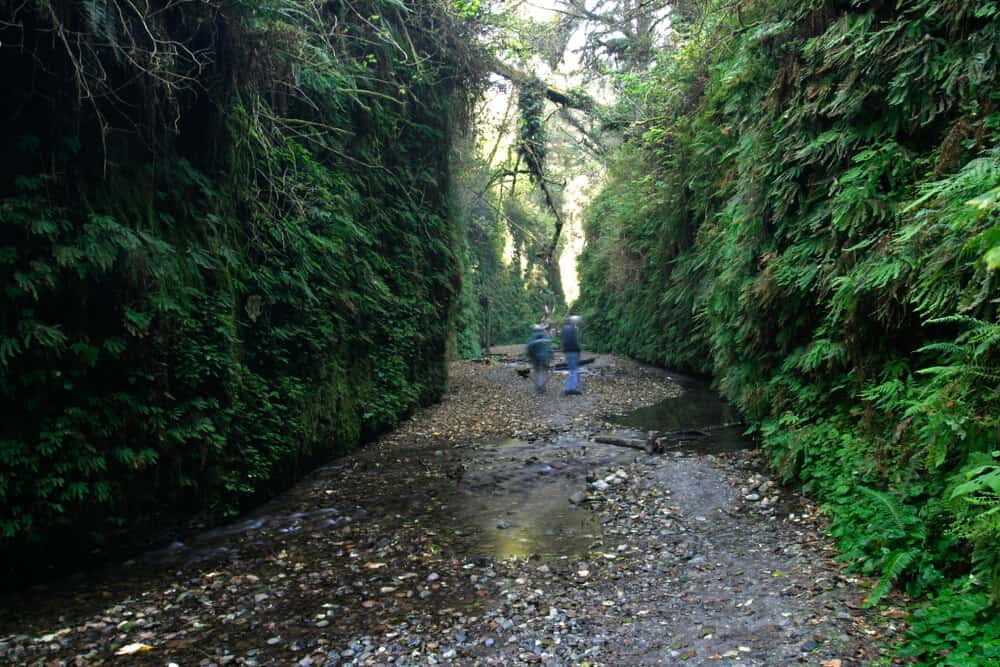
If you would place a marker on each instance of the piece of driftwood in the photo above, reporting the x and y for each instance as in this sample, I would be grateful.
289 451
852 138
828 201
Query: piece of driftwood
657 442
561 366
645 445
687 434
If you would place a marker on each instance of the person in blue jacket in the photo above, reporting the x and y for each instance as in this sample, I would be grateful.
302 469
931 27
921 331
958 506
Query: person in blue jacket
571 348
539 353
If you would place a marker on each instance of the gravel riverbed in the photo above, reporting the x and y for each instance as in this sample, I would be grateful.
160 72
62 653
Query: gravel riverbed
489 529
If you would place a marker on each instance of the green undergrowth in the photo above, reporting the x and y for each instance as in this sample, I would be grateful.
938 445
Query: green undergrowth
226 250
509 285
819 228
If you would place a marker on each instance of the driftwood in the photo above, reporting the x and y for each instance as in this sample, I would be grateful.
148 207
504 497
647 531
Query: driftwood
657 442
679 435
631 443
561 366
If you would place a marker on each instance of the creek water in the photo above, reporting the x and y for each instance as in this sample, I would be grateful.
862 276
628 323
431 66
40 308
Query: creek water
507 499
699 408
513 500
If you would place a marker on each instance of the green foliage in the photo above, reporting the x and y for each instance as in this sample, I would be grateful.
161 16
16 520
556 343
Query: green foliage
531 130
204 296
818 228
508 285
956 628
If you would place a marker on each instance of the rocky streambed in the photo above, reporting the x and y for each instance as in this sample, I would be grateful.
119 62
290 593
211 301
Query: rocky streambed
491 529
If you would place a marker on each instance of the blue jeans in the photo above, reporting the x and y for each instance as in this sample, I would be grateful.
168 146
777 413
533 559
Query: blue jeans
573 379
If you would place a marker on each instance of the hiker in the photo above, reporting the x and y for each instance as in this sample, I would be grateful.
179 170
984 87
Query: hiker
539 352
571 348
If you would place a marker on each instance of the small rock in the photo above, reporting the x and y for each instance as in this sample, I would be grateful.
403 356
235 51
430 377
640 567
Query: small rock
433 576
753 497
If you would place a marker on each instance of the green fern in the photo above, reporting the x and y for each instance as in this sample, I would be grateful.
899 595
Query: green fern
894 566
890 504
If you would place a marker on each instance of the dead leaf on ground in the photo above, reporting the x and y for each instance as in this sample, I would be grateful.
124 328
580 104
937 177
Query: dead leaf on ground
133 648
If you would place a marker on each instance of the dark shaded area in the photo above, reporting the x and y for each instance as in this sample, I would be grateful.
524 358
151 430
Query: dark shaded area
215 274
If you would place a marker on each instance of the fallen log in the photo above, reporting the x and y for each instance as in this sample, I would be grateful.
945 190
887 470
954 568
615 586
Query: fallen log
700 432
645 445
561 366
679 435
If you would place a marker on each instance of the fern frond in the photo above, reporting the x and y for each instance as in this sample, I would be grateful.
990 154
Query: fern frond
890 504
892 569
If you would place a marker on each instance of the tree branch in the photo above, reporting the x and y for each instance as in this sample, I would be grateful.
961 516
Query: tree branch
558 96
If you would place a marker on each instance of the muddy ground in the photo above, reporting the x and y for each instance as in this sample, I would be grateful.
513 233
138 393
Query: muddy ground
489 529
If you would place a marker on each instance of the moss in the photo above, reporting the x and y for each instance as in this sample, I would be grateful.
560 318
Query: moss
235 270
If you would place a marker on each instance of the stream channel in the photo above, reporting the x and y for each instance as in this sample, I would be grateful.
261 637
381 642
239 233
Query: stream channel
446 544
506 499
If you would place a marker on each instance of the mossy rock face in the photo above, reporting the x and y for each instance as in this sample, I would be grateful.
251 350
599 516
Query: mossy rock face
242 262
819 233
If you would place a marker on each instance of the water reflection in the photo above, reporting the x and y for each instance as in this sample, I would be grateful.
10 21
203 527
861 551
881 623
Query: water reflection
697 408
513 501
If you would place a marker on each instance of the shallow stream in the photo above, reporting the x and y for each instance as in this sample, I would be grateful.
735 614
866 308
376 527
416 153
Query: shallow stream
508 499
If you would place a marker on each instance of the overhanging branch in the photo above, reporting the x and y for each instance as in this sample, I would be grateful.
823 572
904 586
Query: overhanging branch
572 100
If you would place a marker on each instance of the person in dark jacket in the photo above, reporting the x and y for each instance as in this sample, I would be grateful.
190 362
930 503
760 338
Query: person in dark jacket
539 351
571 348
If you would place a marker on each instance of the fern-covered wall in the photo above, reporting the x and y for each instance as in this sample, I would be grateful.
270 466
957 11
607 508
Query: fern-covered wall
226 248
819 228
